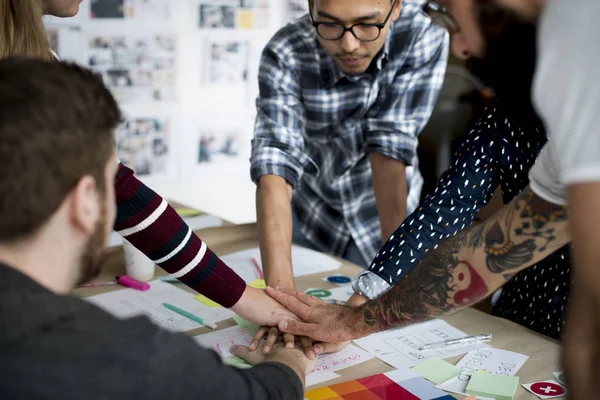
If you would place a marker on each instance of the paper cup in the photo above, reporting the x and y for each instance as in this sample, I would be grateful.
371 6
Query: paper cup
137 265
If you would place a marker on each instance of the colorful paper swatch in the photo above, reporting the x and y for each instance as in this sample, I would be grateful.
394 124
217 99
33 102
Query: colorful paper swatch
381 387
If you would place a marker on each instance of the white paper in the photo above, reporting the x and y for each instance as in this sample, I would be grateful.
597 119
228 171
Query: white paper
494 361
195 223
339 295
348 357
127 303
399 347
305 262
222 340
314 379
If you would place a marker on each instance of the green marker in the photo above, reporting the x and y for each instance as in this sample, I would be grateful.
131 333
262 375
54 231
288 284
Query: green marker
189 315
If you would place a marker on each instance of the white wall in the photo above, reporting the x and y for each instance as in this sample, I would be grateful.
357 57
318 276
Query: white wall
222 188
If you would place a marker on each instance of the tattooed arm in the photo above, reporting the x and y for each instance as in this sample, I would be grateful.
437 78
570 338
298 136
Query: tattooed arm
463 270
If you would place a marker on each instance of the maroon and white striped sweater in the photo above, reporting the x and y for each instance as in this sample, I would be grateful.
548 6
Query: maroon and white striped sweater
148 222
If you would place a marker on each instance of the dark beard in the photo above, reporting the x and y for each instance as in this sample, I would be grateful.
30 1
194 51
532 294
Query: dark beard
94 253
509 63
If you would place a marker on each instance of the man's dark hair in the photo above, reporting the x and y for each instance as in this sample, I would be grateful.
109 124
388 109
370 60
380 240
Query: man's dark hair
57 124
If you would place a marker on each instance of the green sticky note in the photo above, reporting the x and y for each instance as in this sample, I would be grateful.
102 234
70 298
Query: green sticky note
186 212
206 301
258 284
234 361
498 387
247 326
436 370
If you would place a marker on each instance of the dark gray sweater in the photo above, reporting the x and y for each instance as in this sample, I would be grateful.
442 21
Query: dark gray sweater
61 347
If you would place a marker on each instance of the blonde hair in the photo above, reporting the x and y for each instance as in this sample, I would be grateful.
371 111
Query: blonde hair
22 31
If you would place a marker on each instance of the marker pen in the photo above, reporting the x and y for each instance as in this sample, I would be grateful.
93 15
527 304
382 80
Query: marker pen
132 283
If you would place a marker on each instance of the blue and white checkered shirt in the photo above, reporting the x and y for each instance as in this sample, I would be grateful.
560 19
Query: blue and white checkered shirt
315 126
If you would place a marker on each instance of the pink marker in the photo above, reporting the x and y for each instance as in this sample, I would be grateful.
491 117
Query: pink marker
132 283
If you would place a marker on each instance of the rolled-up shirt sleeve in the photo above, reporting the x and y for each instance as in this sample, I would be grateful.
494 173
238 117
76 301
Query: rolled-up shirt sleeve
401 113
278 144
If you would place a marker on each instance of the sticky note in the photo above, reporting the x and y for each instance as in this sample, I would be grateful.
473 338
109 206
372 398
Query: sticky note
186 212
436 370
495 386
206 301
258 284
246 20
249 327
234 361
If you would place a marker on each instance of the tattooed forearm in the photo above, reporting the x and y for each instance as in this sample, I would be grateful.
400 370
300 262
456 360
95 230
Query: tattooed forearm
469 266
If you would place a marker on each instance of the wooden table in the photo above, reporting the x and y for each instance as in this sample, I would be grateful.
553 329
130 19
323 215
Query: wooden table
543 352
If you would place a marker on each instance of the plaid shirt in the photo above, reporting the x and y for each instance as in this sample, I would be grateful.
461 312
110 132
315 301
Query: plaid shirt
315 126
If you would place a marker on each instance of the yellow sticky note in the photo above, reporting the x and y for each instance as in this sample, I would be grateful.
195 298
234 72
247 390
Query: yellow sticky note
206 301
258 284
246 20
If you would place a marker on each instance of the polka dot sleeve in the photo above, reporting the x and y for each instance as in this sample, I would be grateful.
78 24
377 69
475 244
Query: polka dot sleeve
461 191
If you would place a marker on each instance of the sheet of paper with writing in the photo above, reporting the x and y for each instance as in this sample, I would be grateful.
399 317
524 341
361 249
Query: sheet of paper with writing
127 303
494 361
400 347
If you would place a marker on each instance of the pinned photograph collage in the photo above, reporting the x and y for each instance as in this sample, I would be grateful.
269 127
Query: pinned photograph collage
135 45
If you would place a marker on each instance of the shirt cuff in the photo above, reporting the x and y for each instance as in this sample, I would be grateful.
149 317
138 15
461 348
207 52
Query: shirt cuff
370 285
287 173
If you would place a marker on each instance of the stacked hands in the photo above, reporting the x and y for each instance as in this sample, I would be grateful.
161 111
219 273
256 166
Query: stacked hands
286 315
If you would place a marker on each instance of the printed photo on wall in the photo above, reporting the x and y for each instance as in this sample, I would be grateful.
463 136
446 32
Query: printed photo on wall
220 147
143 145
142 10
297 8
67 42
233 14
227 62
136 68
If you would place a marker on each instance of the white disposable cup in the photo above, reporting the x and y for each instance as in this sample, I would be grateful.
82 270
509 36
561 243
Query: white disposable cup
137 265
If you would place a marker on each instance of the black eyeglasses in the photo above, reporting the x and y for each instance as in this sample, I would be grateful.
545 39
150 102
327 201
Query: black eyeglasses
440 16
363 32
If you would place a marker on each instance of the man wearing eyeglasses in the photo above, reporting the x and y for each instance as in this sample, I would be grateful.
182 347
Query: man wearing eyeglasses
344 93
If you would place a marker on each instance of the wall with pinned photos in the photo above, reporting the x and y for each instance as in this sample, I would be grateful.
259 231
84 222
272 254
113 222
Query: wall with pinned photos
185 75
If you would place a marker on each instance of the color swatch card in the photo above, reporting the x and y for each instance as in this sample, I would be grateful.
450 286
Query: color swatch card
396 385
493 361
127 303
400 347
304 261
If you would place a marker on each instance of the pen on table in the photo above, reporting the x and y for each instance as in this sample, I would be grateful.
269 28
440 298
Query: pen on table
189 315
258 268
169 279
98 284
484 337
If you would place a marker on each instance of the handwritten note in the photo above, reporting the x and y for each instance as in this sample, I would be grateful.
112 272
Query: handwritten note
127 303
400 347
346 358
493 361
222 340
